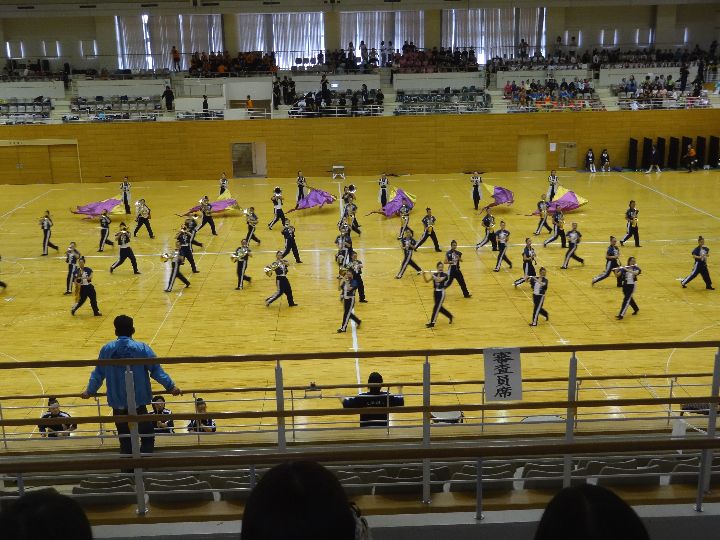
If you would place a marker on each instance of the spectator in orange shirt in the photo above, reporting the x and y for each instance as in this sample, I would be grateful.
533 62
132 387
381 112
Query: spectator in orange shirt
175 58
250 103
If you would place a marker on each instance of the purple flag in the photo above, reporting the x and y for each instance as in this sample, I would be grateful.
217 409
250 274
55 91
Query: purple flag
567 201
316 197
217 206
94 209
499 194
393 207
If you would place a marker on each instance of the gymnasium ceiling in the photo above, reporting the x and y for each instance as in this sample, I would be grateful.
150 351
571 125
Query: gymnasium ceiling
25 8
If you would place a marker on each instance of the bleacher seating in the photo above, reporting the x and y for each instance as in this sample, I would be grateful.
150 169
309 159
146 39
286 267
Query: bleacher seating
443 101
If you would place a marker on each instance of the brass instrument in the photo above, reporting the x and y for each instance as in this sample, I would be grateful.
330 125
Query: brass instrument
352 189
634 222
269 269
165 257
239 255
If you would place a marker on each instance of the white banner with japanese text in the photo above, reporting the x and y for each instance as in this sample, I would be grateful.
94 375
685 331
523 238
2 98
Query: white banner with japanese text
503 375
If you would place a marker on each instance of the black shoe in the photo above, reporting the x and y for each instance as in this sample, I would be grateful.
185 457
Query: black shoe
532 324
438 250
137 272
547 317
168 290
635 312
67 292
214 234
340 330
683 286
451 319
622 243
563 268
187 285
97 314
111 269
363 301
72 311
467 295
196 271
619 317
292 305
358 324
56 248
152 238
44 255
298 262
496 270
238 288
430 325
710 288
99 250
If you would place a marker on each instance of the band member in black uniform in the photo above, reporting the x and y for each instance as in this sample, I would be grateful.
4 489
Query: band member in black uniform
357 266
122 237
629 275
489 225
475 181
289 233
280 268
612 256
348 195
528 263
252 221
404 220
72 255
539 286
348 286
143 218
350 214
183 245
344 245
176 260
125 193
223 183
700 255
206 210
83 279
573 238
408 246
553 183
605 161
440 282
654 160
192 228
383 183
429 223
278 214
242 258
542 207
590 161
453 258
631 217
105 231
46 224
301 184
558 219
502 236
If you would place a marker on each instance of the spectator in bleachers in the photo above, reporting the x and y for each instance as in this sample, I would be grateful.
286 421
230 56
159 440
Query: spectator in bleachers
45 514
204 424
56 430
374 397
249 104
161 426
175 58
169 97
589 511
301 500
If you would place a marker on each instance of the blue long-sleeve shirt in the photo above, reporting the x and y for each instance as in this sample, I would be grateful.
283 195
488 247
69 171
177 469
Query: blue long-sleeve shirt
125 347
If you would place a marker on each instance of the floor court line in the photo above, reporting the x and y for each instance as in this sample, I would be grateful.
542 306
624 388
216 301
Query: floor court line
23 204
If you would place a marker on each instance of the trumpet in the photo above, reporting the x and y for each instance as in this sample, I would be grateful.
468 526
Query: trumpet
269 269
165 257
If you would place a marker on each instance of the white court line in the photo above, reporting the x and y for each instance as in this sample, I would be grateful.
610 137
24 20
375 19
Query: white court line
166 316
23 204
662 194
32 372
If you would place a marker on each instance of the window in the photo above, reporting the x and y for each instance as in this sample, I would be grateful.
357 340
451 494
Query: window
616 37
15 49
602 37
88 48
51 49
372 27
686 36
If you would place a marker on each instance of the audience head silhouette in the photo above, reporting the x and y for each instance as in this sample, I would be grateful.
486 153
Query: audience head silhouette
45 514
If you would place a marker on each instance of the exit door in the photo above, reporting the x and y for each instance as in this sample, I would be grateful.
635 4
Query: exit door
25 165
532 153
567 155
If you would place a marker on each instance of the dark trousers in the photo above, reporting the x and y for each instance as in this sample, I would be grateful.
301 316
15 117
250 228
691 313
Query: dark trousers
223 189
538 300
489 237
439 298
279 216
628 291
456 274
557 232
572 248
502 250
141 221
251 234
209 221
407 261
175 273
241 268
69 280
542 223
360 287
355 226
528 270
701 269
300 193
186 252
46 241
290 245
104 234
348 315
609 265
87 292
427 235
383 198
403 227
632 232
476 196
126 202
283 287
551 194
146 430
125 253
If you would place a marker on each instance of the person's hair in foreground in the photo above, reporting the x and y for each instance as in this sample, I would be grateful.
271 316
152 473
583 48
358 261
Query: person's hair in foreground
589 512
42 515
301 500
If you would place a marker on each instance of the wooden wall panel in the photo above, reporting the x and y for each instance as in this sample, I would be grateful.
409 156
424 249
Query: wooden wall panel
433 144
64 163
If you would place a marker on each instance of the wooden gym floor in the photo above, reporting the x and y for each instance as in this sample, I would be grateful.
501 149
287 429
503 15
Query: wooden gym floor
212 318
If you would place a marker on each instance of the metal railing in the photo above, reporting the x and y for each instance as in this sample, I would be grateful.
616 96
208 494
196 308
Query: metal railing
682 102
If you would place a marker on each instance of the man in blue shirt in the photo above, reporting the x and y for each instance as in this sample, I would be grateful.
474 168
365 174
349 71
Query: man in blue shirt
126 347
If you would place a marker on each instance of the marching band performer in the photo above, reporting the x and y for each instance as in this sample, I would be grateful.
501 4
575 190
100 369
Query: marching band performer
183 245
348 194
539 286
289 233
357 266
252 221
654 160
590 161
440 282
223 183
605 161
631 216
344 245
192 228
502 238
46 224
528 263
700 255
408 246
105 231
83 280
242 258
125 193
573 238
542 207
475 181
301 184
143 218
350 214
206 210
176 260
122 237
278 214
629 275
489 224
72 255
558 219
404 213
453 258
429 223
280 267
553 183
383 195
347 295
612 256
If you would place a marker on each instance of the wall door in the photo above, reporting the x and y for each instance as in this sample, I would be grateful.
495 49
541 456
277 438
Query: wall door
532 153
242 160
39 164
567 155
